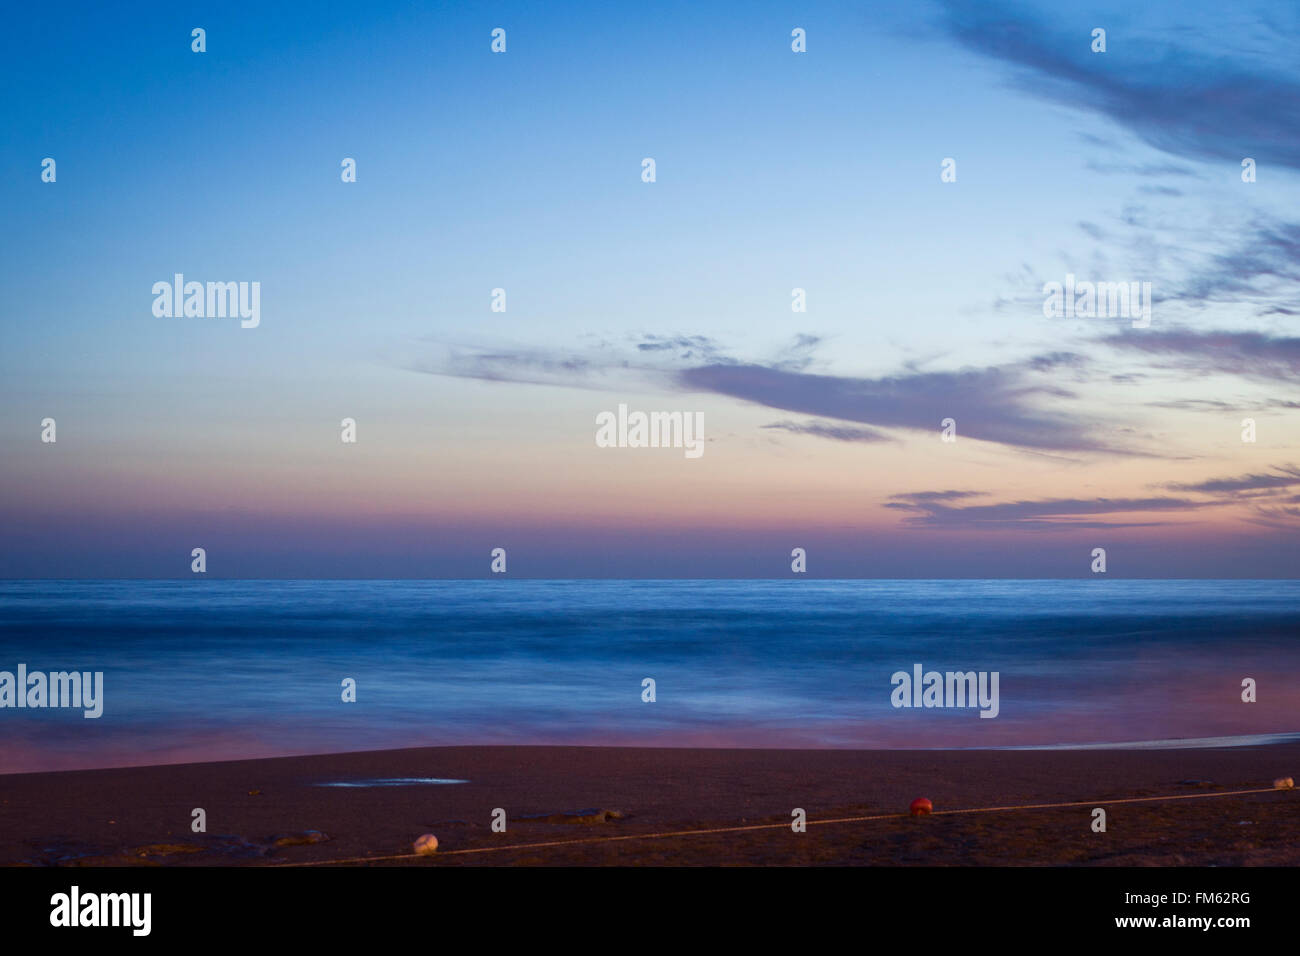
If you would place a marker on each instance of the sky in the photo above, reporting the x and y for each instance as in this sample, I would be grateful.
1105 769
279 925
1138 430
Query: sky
775 170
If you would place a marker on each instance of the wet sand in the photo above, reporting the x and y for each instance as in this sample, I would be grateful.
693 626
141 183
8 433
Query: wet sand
268 812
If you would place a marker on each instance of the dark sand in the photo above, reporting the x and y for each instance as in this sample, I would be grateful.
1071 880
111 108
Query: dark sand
141 816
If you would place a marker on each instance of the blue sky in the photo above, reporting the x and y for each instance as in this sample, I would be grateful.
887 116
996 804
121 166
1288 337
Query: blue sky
775 170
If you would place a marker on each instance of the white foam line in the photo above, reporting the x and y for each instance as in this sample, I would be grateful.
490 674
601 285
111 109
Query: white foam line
1176 743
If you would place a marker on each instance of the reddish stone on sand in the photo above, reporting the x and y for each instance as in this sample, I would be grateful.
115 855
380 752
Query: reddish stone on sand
920 806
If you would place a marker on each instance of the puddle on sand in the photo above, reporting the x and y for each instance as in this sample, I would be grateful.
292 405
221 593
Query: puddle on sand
392 782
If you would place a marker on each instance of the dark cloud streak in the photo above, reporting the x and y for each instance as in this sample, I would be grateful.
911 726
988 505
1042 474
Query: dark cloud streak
1182 101
1057 512
1251 355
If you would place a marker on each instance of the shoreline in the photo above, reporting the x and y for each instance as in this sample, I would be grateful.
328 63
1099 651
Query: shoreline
321 808
1169 743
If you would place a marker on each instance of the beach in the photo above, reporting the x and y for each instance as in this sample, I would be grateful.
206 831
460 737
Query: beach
324 809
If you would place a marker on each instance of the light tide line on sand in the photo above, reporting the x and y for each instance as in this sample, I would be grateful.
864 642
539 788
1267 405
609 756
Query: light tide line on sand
772 826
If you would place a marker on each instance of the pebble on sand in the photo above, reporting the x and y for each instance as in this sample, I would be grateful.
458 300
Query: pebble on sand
921 806
1284 783
427 845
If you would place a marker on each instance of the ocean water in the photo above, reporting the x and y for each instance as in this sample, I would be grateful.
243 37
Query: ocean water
209 669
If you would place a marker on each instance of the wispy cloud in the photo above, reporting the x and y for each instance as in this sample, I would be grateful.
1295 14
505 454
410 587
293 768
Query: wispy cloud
1136 169
1185 101
989 404
820 429
1216 405
928 497
1160 191
1284 477
1252 355
1008 404
934 509
1265 264
1271 495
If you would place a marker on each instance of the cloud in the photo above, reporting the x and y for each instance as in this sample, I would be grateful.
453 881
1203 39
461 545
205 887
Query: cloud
683 347
1252 355
1137 169
1000 404
1214 405
831 430
925 497
1278 515
1183 101
1270 494
1004 404
1284 477
649 362
1266 264
936 511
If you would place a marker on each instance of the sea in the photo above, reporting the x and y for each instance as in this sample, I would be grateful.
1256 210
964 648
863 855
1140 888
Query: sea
199 670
